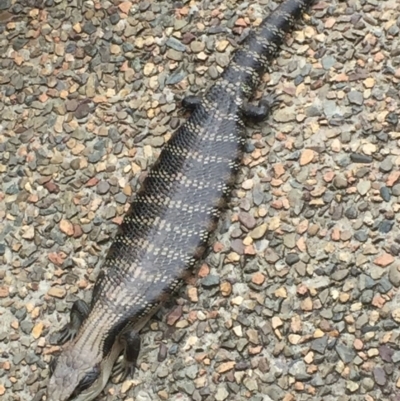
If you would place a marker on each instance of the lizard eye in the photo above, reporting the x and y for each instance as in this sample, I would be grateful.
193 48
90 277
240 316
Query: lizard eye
89 379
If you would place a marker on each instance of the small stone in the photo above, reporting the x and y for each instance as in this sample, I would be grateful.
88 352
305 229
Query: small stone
258 278
292 258
103 187
37 330
174 55
396 315
125 6
369 82
386 353
226 367
226 288
29 233
259 232
67 227
385 193
352 386
82 111
351 213
369 149
346 354
192 294
247 220
89 28
396 190
363 187
386 165
4 292
222 45
281 292
210 281
393 178
361 236
57 292
394 275
276 322
306 304
379 376
52 187
126 385
197 46
174 315
71 105
340 182
319 345
221 394
355 97
306 157
360 158
384 260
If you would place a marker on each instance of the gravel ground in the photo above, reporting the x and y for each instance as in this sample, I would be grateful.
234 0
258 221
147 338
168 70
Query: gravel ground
298 298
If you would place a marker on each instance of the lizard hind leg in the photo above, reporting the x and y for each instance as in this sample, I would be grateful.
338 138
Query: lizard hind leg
125 367
190 102
79 312
260 112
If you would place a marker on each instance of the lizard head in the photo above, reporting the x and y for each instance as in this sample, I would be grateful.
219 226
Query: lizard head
76 376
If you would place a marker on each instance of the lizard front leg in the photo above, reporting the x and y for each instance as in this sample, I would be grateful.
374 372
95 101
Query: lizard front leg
130 340
79 312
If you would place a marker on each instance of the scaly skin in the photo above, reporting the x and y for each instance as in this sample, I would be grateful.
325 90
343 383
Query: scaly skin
165 232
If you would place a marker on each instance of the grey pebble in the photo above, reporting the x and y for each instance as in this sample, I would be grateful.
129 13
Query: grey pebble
361 236
175 44
355 97
346 353
210 281
396 190
360 158
103 187
385 226
386 166
351 213
340 182
363 187
5 4
292 258
394 275
89 28
379 376
319 345
174 55
385 193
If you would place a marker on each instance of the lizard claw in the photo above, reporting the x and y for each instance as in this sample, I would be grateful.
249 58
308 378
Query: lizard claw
67 333
123 369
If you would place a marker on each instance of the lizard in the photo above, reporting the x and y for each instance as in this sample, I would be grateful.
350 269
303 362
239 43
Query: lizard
165 232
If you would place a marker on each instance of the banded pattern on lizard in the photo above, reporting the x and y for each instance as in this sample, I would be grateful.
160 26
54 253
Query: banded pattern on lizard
166 230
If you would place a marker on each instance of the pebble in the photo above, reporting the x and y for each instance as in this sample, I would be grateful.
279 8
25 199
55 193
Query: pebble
259 232
210 281
396 190
345 353
355 97
363 187
360 158
386 166
57 292
340 182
